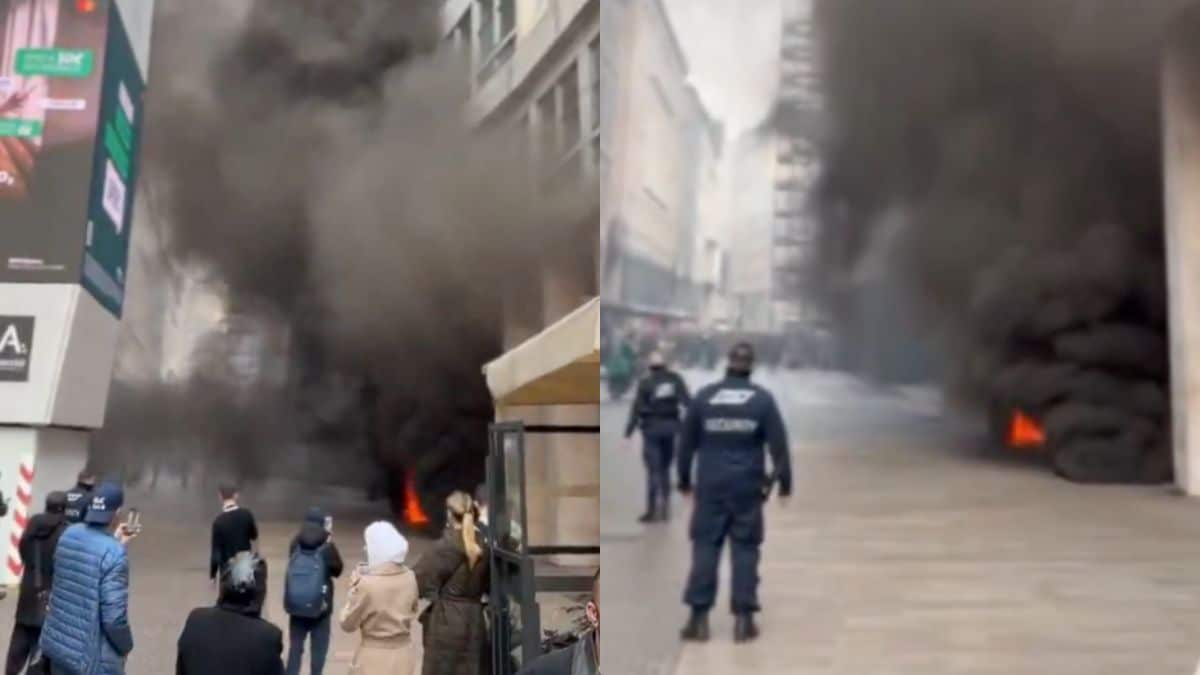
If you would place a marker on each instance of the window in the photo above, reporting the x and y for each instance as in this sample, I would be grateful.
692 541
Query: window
497 35
460 37
594 54
572 126
487 28
547 112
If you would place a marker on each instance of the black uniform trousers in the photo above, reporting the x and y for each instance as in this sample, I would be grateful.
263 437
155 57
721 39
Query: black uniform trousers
738 518
658 451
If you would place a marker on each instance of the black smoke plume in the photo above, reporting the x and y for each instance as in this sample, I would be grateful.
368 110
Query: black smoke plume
313 160
1000 163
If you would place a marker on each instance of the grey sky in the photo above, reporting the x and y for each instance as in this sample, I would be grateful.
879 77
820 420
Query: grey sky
732 47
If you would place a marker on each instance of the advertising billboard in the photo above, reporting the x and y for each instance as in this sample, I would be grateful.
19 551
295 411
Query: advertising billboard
51 57
114 170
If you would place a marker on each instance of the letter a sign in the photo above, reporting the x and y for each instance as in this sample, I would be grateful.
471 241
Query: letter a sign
16 348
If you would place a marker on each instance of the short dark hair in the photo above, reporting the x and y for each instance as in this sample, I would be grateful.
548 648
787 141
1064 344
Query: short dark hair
596 586
227 490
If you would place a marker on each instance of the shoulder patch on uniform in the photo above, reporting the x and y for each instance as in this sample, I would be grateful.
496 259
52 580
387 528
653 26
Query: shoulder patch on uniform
731 396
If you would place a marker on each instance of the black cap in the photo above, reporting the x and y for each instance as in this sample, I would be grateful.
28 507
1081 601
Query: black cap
56 502
741 357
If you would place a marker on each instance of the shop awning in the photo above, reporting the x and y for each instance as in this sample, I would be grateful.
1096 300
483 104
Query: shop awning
559 366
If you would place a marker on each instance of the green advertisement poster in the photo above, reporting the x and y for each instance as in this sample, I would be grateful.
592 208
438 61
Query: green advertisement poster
114 171
50 82
74 63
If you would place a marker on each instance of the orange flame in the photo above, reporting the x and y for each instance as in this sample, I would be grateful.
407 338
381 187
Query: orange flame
1024 432
413 513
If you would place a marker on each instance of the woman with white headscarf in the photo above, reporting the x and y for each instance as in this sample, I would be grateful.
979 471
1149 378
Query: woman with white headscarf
382 606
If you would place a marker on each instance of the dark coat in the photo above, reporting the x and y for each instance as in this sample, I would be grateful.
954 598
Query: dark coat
226 641
37 555
314 536
456 641
726 430
562 662
655 409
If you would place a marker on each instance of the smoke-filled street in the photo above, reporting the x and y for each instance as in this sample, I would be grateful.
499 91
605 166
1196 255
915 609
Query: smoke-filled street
911 545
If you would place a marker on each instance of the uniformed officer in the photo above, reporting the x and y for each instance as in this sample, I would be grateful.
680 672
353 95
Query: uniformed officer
726 427
79 496
656 410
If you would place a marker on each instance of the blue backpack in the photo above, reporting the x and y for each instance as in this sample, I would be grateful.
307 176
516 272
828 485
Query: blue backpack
304 588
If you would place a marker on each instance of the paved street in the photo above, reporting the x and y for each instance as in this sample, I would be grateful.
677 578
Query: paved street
911 547
169 570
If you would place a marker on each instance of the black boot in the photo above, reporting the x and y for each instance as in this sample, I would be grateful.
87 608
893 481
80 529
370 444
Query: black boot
744 629
647 517
696 629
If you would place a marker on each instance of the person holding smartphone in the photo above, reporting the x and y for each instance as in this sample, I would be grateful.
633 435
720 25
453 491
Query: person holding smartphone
313 563
91 586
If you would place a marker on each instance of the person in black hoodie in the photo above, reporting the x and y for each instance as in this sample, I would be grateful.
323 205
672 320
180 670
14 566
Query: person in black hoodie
231 638
315 535
79 496
37 555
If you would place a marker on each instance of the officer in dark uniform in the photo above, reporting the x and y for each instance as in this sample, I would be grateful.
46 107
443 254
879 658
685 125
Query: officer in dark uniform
656 409
79 496
727 427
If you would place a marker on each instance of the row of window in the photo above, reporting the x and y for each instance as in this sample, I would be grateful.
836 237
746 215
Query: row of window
559 114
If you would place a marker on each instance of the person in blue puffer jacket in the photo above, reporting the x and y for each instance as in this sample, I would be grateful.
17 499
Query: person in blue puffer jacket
87 627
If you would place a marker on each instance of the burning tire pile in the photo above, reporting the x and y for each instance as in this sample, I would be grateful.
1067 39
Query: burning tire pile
1000 162
1084 374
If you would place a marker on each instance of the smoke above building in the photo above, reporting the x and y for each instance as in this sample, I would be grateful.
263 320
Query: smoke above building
314 162
998 164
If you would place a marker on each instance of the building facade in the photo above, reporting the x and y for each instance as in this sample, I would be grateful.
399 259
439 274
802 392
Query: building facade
535 69
649 214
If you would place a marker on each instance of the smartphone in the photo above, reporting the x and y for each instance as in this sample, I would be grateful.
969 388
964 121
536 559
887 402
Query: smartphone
329 524
133 522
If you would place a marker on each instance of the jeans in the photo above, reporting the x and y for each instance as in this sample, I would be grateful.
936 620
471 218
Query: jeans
298 631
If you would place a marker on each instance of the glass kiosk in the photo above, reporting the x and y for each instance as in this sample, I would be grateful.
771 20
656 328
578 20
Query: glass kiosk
541 480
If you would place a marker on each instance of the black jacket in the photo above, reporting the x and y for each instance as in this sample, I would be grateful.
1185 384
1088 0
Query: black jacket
314 536
656 407
726 430
225 641
561 662
37 555
77 501
233 532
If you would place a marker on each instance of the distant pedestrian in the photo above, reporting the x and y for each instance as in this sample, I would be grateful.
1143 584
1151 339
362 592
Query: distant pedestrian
661 397
231 638
79 496
235 531
313 563
455 577
87 625
726 429
37 547
382 607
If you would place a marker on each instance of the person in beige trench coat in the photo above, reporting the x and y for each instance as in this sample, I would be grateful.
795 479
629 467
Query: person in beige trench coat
382 607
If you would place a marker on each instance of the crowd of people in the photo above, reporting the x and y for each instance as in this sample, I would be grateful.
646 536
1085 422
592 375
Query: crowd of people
425 618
